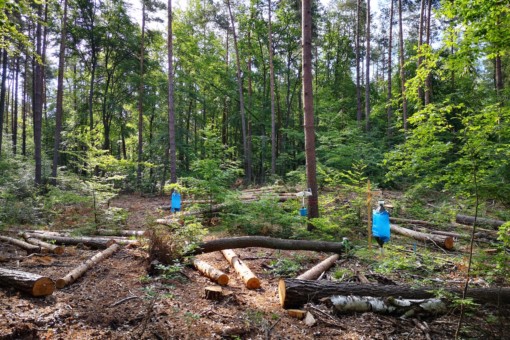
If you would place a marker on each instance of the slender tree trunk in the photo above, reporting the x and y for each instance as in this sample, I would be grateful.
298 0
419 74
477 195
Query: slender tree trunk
244 128
60 96
499 75
2 95
140 105
38 104
7 104
367 73
273 115
224 123
43 69
420 43
428 81
171 113
390 47
402 73
358 56
311 167
15 110
24 110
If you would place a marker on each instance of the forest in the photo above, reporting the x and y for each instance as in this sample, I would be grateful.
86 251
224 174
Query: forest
142 142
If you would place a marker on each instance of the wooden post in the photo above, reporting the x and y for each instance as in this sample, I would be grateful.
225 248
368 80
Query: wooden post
369 216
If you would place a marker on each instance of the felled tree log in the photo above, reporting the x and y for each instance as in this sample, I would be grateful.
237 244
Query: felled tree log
470 220
445 242
43 245
34 284
76 273
295 293
93 242
30 248
266 242
389 305
214 274
314 272
113 232
250 280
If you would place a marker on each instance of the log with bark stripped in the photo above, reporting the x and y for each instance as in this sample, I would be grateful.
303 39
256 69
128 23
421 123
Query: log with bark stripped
30 248
81 269
214 274
295 293
59 250
445 242
266 242
387 305
114 232
93 242
34 284
314 272
470 220
250 280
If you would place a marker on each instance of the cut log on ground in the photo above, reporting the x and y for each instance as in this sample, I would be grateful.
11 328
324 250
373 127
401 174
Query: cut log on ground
214 274
250 280
266 242
295 293
76 273
213 293
470 220
445 242
93 242
30 248
114 232
314 272
406 307
33 284
59 250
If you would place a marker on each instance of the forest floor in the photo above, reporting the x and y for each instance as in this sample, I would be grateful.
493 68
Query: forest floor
118 300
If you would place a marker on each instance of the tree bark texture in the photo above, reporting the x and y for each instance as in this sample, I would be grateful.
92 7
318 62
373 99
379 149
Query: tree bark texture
76 273
470 220
266 242
445 242
33 284
30 248
401 62
43 245
314 272
3 91
294 293
92 242
309 127
211 272
249 278
367 72
171 110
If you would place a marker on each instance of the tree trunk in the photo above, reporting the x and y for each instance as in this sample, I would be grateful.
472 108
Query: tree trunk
470 220
445 242
420 43
171 112
140 105
311 167
38 104
15 110
2 95
314 272
33 284
250 280
401 59
60 96
266 242
390 47
406 307
30 248
76 273
367 73
273 114
209 271
244 131
428 80
294 293
43 245
110 232
358 71
92 242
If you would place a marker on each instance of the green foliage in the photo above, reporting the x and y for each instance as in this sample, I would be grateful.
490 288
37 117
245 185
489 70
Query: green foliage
262 217
284 267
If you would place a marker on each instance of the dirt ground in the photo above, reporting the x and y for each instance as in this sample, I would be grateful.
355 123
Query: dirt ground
117 300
